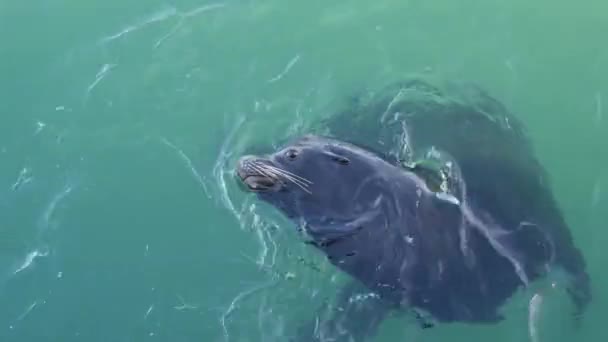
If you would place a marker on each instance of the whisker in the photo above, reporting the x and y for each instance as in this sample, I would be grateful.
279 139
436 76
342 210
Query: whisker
261 170
300 178
289 173
297 182
278 173
267 172
303 188
293 180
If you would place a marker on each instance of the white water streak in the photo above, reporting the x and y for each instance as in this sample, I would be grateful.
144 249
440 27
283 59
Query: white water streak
149 311
39 127
274 247
202 9
234 304
394 101
533 316
22 179
264 238
29 259
50 209
189 164
261 237
103 72
161 16
220 165
43 224
169 34
154 18
184 305
490 231
288 67
27 311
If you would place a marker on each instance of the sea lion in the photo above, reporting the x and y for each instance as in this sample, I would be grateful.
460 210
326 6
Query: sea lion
453 232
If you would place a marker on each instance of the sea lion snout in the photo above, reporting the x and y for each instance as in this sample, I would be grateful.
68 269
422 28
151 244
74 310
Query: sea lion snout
245 166
252 171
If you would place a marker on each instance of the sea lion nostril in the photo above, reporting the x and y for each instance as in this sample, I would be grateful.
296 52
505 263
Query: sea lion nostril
255 175
247 165
245 161
244 168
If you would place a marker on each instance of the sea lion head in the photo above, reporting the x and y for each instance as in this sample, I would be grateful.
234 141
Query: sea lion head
317 180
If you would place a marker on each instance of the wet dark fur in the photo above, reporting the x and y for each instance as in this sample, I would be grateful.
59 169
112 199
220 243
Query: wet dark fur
406 245
504 178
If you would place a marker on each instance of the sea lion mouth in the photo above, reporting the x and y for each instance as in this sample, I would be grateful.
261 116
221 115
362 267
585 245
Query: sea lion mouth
253 176
262 174
259 183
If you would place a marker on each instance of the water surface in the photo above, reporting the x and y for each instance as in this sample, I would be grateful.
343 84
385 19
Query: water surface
120 122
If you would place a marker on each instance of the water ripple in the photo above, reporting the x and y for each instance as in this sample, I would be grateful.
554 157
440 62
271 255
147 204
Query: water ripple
154 18
288 67
23 178
161 16
534 316
189 164
45 220
235 302
29 259
219 169
101 74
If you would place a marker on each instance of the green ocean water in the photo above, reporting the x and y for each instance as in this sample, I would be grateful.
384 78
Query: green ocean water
120 122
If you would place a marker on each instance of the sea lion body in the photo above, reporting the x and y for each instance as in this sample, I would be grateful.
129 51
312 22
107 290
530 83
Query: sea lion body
499 176
456 252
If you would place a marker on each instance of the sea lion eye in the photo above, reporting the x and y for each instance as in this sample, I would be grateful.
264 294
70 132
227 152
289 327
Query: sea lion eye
291 154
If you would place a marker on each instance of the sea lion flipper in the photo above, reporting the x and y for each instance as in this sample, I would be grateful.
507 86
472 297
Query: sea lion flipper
439 176
355 316
430 171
